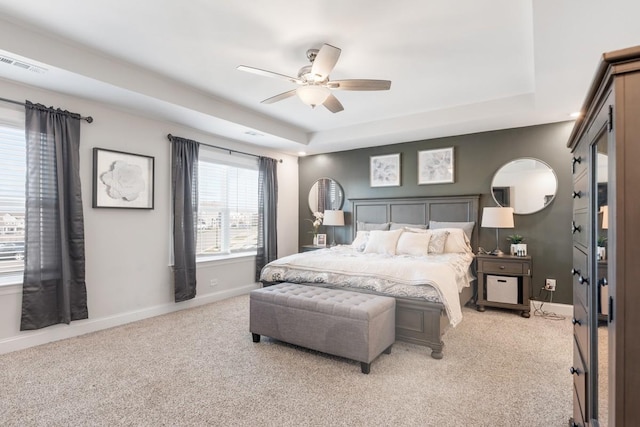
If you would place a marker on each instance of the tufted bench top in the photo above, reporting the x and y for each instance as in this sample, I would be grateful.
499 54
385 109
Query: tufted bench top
335 302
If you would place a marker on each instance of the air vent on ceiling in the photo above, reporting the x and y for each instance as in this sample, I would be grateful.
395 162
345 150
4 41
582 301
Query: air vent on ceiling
21 64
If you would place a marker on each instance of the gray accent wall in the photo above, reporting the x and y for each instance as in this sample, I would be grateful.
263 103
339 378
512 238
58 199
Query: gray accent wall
477 158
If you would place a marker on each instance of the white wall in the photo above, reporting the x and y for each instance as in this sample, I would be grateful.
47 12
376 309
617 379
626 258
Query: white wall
127 251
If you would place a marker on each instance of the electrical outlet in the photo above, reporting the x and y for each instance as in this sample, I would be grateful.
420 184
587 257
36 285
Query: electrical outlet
550 285
213 283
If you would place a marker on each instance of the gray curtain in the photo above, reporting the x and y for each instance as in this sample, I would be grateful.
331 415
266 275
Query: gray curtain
54 289
267 218
184 183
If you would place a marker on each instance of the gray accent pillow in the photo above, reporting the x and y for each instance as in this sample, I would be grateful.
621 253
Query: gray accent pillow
467 227
397 226
370 226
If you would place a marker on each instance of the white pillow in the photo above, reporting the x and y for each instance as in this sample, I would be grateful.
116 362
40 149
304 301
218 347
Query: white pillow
438 241
414 244
457 241
382 242
360 242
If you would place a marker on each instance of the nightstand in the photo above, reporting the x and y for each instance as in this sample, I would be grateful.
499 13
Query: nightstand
505 282
309 248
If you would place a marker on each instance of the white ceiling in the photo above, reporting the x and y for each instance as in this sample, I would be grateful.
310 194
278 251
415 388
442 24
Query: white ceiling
456 67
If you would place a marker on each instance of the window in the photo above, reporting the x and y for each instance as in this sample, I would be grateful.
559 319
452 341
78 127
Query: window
228 204
12 191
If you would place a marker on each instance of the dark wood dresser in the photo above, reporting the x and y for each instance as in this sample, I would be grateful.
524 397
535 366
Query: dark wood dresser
605 143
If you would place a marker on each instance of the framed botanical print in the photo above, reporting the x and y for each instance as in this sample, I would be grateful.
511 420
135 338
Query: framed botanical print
436 166
384 171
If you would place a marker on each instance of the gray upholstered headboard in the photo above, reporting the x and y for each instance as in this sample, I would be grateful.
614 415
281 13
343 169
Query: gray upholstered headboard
419 210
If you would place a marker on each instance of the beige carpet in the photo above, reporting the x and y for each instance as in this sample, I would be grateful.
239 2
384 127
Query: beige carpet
199 367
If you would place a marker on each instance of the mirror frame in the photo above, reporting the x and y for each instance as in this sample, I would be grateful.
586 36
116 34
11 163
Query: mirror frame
338 186
524 158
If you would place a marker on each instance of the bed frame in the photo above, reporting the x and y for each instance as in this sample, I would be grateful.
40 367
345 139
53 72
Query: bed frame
418 321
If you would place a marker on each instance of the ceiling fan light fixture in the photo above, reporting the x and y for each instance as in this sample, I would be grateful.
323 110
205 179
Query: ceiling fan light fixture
313 95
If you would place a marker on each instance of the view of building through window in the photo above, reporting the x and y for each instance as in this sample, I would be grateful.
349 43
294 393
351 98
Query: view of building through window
12 197
228 209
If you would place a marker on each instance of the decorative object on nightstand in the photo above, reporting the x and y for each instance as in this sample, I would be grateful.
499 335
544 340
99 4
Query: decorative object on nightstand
316 222
517 247
504 282
497 218
334 218
602 240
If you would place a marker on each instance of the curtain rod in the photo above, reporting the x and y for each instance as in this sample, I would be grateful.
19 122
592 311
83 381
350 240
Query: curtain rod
170 137
88 119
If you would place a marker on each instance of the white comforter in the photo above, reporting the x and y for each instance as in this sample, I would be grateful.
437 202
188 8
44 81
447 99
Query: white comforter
437 278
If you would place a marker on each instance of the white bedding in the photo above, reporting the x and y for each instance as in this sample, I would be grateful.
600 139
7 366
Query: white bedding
437 278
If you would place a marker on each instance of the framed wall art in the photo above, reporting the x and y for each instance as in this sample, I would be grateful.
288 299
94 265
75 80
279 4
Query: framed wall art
122 180
384 170
322 240
436 166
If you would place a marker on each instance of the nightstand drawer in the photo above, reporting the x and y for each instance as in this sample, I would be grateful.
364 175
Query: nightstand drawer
501 267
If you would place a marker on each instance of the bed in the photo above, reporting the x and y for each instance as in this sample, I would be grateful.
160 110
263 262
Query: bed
429 295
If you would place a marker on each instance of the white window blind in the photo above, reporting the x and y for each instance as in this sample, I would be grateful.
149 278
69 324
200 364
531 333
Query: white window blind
228 204
12 191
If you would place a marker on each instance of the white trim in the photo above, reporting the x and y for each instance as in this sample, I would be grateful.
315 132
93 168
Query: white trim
553 307
81 327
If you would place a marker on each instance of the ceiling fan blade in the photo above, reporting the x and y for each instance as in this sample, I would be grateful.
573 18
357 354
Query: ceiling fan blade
325 61
360 84
333 104
268 74
279 97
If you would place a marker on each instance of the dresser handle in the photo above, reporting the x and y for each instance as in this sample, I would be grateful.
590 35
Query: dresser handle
577 194
583 280
502 267
574 371
603 282
576 321
575 227
574 271
576 160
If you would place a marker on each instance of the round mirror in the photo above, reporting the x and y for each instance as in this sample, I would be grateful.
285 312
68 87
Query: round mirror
325 194
527 185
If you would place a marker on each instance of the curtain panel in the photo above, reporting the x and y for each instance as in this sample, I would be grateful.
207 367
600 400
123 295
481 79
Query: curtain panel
184 184
267 250
54 289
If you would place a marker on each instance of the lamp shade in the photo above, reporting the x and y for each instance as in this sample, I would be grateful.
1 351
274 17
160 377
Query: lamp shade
313 94
497 217
333 218
605 217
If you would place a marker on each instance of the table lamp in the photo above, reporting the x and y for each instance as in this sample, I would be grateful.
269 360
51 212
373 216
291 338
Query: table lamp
497 218
333 218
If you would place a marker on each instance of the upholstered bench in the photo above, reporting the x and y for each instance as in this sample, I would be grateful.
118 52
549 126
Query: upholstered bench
348 324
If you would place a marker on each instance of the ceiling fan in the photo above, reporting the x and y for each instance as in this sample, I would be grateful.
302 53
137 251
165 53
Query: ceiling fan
314 87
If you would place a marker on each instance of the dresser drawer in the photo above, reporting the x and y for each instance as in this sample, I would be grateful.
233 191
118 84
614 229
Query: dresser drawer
579 160
581 327
580 276
579 227
503 267
580 192
579 380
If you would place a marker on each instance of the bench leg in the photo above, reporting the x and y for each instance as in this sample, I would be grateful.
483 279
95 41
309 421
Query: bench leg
365 367
256 337
388 350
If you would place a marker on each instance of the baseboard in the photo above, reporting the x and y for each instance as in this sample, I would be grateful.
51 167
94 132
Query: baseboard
553 307
81 327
